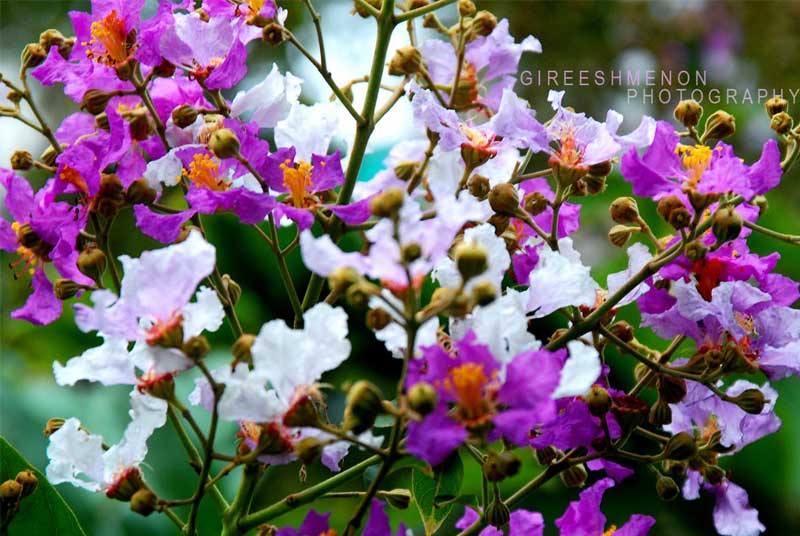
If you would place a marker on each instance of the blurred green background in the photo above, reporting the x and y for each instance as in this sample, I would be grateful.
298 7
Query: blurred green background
743 45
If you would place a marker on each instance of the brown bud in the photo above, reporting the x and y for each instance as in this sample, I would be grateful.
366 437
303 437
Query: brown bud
10 492
620 234
623 330
53 425
140 193
101 122
273 34
484 293
624 210
504 200
32 56
28 481
483 23
666 488
672 210
378 318
411 252
196 347
241 349
601 169
535 203
688 112
598 400
110 197
660 413
364 404
574 476
387 203
548 455
719 125
144 502
184 115
342 278
51 38
671 389
405 169
363 13
407 60
726 224
95 101
21 160
713 474
164 69
141 124
65 289
776 105
751 400
499 466
466 8
681 446
92 263
224 143
479 186
594 184
695 250
781 123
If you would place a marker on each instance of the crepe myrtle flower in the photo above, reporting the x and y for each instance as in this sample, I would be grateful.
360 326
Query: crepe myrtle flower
153 307
520 523
740 318
41 232
269 101
434 236
671 168
480 398
79 457
733 515
490 65
584 517
316 524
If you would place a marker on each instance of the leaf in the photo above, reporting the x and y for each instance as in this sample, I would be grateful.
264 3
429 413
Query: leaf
412 462
435 496
42 512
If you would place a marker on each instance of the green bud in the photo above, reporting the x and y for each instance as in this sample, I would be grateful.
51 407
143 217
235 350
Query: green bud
422 398
719 125
233 288
726 224
471 260
681 446
497 513
695 251
660 413
387 203
65 289
574 476
666 488
342 278
671 389
598 400
92 263
751 400
761 202
359 294
688 112
406 169
364 404
144 502
714 474
548 455
308 450
224 143
484 293
196 347
399 498
624 210
411 252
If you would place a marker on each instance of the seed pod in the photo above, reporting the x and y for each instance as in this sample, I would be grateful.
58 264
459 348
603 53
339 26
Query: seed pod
273 34
622 330
671 389
695 251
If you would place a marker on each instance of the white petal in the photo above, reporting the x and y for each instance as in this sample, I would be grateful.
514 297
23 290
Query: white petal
270 100
309 129
580 370
110 364
638 257
204 314
245 397
73 452
559 280
323 257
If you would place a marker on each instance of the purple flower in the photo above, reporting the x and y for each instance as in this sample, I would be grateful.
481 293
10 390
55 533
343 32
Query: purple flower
670 168
584 518
41 232
316 524
733 515
521 523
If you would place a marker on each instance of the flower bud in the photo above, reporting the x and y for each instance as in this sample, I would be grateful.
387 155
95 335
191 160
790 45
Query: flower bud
700 201
164 69
666 488
479 186
483 23
101 122
574 476
619 235
776 105
405 169
726 225
110 197
594 184
688 112
92 263
196 347
781 123
308 450
497 513
751 400
466 8
671 389
484 293
598 400
548 455
713 474
233 289
387 203
601 169
719 125
378 318
471 260
273 34
65 289
32 56
21 160
53 425
140 193
535 203
95 101
502 465
695 251
761 202
363 13
407 60
28 481
672 210
422 398
224 143
364 404
342 278
184 115
49 155
126 485
624 210
622 330
51 38
158 385
681 447
66 48
399 498
10 492
660 413
675 468
358 295
411 252
504 200
241 349
144 502
640 371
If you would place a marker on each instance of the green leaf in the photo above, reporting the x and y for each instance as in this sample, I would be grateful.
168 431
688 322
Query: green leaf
42 512
434 496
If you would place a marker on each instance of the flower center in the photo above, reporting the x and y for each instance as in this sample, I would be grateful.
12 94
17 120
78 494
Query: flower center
73 177
569 154
708 274
204 171
468 383
166 333
110 32
297 179
695 160
32 250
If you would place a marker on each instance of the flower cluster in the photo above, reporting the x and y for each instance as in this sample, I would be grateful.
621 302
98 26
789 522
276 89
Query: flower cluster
469 273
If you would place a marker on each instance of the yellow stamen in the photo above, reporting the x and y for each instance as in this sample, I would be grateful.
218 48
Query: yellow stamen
111 33
72 176
255 6
695 160
297 179
468 382
204 171
611 530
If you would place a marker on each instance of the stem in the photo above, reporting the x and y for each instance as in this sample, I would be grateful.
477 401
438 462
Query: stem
284 271
241 502
295 500
315 18
414 13
789 239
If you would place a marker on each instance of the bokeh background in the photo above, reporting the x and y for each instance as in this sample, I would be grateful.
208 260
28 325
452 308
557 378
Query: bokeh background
742 45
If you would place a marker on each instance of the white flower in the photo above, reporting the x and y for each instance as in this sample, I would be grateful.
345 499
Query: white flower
74 451
446 272
270 100
110 364
560 280
638 257
394 335
580 370
309 129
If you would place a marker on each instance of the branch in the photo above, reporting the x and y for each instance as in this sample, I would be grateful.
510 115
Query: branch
414 13
789 239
